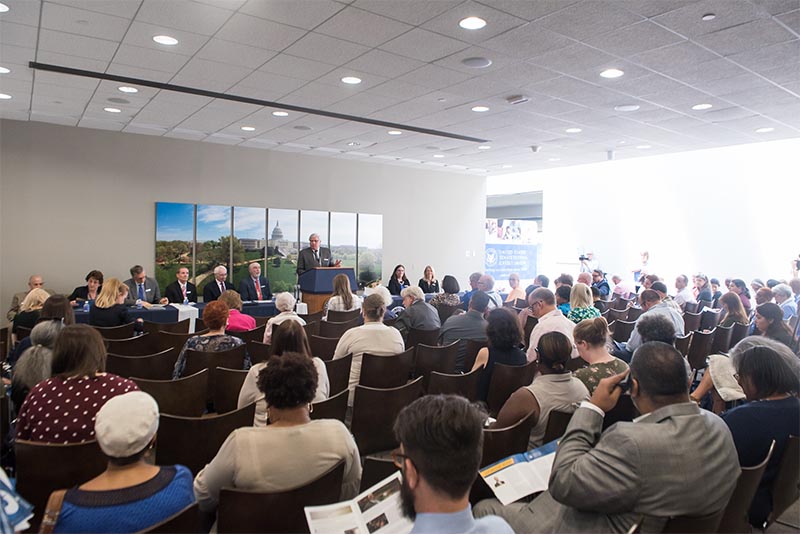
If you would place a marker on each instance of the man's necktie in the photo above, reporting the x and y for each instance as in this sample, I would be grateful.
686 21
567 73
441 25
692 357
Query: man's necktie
183 288
221 288
258 288
141 291
316 257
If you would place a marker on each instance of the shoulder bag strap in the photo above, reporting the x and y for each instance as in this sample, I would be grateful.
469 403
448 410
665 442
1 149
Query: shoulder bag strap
52 511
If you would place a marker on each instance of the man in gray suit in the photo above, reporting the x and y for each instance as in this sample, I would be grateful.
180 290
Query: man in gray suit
463 327
675 460
315 256
143 288
418 314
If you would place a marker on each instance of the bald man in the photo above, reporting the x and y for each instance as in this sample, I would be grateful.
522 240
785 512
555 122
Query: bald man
34 281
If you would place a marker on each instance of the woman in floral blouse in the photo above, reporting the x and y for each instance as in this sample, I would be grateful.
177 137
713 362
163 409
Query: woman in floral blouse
581 305
215 316
591 337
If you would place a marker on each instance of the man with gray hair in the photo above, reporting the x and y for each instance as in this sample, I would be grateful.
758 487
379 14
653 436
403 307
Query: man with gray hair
684 295
473 285
784 297
217 287
34 281
142 289
256 286
486 285
417 314
315 256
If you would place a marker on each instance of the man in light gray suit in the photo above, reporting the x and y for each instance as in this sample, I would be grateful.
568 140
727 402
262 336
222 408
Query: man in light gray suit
315 256
418 314
675 460
143 288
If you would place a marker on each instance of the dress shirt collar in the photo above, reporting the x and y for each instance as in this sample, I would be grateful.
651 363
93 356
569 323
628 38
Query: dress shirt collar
459 522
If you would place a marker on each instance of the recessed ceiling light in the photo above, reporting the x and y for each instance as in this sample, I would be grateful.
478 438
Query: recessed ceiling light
394 132
353 144
622 142
3 8
112 110
249 128
506 166
612 73
3 96
708 16
472 23
573 130
764 130
3 70
627 107
352 80
441 99
128 89
484 147
165 40
438 155
280 113
644 147
477 63
480 109
554 159
700 107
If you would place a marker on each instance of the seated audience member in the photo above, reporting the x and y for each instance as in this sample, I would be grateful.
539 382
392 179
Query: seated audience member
769 322
291 338
622 288
486 285
94 283
343 298
285 303
563 294
79 363
652 305
772 283
373 337
465 327
291 451
399 281
132 494
581 305
29 311
417 314
516 292
656 328
56 308
441 440
756 285
473 287
684 295
597 300
36 363
543 307
606 481
181 289
647 282
794 284
256 286
213 289
703 288
661 288
591 339
584 278
716 293
541 281
763 295
383 291
599 281
505 338
769 375
739 287
733 309
34 281
109 309
553 389
720 376
526 312
785 299
237 322
142 289
428 283
450 296
215 316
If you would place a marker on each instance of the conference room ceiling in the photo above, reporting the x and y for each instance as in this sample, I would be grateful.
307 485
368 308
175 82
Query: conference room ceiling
744 61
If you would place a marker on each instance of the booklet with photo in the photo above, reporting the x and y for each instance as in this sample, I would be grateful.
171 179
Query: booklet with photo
376 510
522 474
15 510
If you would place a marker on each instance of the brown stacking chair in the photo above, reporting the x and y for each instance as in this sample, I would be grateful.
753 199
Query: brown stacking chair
422 336
785 489
505 381
445 311
158 366
499 443
166 339
374 412
227 385
634 313
465 385
691 308
258 351
333 408
739 332
115 333
193 442
557 422
623 411
429 359
709 319
700 349
576 364
262 320
243 511
386 372
200 325
314 316
339 373
187 520
153 327
145 344
199 360
620 303
682 343
736 516
256 335
375 470
691 322
5 415
530 323
330 329
722 340
323 347
703 305
622 330
473 347
43 468
693 524
615 315
179 397
311 328
340 316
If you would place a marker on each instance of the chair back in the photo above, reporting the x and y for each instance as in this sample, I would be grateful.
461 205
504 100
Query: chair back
374 412
722 340
623 411
557 422
314 316
691 322
736 517
135 346
422 336
709 318
256 335
464 385
200 325
375 470
262 320
505 441
623 330
576 364
445 311
199 360
694 524
682 343
634 313
116 333
242 511
311 328
471 353
333 408
177 327
785 490
166 339
520 303
342 316
505 381
530 323
616 315
620 303
227 384
24 332
322 346
386 372
739 332
158 366
187 520
339 373
335 329
193 442
391 321
43 468
429 359
700 349
703 304
691 307
258 351
179 397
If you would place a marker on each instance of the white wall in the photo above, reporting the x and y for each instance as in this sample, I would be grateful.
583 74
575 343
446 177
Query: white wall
727 212
74 199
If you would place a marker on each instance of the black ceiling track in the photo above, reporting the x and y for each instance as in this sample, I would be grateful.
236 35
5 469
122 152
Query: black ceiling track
246 100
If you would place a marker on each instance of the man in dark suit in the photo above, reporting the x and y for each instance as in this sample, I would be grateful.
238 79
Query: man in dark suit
142 288
214 288
315 256
255 287
181 289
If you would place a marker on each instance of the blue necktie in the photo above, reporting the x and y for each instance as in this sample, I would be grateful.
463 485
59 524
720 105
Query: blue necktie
141 292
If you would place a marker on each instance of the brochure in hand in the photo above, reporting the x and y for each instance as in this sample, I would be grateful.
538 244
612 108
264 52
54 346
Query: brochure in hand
522 474
16 511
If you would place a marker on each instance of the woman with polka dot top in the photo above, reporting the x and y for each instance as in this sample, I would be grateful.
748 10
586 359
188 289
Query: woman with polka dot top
62 409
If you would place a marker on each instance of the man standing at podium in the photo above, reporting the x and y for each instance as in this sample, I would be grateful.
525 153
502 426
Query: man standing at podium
315 256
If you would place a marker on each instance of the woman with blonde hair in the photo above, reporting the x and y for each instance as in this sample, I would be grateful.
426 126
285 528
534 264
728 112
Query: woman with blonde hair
581 304
343 298
109 308
428 282
29 311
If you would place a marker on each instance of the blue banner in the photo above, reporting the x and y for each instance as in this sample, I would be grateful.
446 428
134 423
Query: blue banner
502 259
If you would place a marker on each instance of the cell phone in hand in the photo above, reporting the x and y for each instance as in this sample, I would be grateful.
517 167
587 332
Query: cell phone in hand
626 384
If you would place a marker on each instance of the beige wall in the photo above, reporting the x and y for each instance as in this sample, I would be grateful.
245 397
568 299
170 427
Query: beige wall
74 199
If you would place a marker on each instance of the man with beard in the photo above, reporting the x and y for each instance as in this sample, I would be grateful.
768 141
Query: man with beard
441 440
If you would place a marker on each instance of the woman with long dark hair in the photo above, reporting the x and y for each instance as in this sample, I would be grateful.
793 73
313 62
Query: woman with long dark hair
769 322
398 280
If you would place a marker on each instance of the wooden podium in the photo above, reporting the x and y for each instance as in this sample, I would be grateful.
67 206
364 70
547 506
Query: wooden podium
317 285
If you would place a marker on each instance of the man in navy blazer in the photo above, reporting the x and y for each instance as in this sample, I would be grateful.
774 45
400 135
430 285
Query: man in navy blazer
255 287
315 256
214 289
181 288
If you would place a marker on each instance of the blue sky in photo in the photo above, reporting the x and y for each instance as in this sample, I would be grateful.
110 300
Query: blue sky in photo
174 221
249 222
343 229
370 231
213 222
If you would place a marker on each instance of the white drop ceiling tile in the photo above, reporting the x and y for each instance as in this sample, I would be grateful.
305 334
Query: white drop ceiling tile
744 37
384 63
587 116
776 7
434 77
19 55
211 119
748 125
17 35
141 34
83 22
19 89
120 8
54 58
45 117
399 90
498 60
166 119
423 45
682 98
646 85
266 93
185 133
320 47
483 87
147 58
726 86
688 21
334 78
448 23
269 82
301 68
652 8
146 129
72 96
363 27
792 20
767 58
406 112
210 75
139 72
14 115
674 59
362 104
305 15
548 106
525 9
315 95
634 39
721 115
18 71
285 133
99 124
575 58
762 95
235 53
222 139
631 71
258 143
414 13
527 41
678 124
22 12
591 17
258 32
77 45
183 15
284 147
